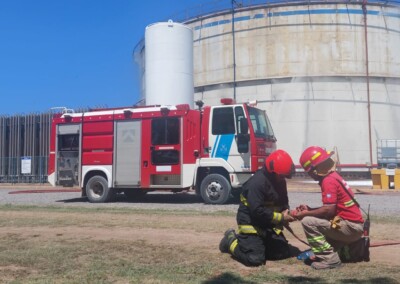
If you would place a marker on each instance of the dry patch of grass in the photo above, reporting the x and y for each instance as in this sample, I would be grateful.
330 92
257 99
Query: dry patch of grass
59 245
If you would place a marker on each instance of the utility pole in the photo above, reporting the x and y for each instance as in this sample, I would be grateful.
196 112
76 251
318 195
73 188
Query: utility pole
233 2
364 8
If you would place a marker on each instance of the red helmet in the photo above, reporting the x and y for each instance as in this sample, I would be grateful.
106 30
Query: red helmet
313 156
280 162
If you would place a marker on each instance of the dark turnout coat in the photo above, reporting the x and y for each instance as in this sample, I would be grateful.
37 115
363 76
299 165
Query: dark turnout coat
264 195
259 238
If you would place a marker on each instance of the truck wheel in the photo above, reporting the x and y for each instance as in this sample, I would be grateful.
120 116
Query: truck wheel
97 190
215 189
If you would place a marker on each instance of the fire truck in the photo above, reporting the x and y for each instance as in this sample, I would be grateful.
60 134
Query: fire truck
212 150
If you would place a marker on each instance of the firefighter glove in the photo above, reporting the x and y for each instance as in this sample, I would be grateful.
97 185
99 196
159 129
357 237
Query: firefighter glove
335 222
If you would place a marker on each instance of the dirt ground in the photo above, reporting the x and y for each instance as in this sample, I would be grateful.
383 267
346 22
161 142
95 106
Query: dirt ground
194 230
189 232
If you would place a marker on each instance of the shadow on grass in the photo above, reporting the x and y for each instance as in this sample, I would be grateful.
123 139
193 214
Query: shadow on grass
385 280
228 278
301 279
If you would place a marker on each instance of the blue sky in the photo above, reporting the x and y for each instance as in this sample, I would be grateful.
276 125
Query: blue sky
75 53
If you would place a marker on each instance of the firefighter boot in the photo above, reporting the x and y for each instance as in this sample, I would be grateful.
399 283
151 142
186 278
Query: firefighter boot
227 240
332 262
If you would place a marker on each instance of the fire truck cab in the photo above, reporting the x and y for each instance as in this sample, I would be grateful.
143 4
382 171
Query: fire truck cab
134 150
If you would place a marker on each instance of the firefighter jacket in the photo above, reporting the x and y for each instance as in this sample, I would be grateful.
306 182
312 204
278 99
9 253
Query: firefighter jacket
262 200
334 193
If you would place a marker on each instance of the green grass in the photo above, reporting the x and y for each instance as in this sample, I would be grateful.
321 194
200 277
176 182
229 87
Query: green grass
32 257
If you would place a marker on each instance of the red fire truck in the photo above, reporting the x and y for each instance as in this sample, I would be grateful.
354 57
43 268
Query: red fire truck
134 150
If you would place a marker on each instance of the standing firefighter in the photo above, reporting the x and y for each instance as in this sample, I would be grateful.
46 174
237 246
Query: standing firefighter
339 221
262 212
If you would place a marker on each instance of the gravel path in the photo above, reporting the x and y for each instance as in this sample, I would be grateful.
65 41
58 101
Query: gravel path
384 204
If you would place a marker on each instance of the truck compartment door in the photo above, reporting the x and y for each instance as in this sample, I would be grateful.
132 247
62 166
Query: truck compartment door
127 154
165 152
68 154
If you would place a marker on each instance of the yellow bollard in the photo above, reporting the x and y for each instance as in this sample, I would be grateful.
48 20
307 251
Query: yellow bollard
379 179
397 179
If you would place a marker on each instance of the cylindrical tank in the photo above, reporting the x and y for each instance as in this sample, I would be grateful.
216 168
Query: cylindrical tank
168 68
327 73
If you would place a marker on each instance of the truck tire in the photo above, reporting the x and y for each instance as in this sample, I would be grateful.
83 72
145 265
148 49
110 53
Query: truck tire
215 189
97 190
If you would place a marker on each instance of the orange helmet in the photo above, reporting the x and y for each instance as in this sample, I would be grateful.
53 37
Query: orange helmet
280 162
313 156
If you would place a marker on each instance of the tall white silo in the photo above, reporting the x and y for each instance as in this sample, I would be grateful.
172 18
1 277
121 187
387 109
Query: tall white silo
168 64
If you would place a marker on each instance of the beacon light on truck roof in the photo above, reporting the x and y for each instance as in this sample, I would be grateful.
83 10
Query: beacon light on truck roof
228 101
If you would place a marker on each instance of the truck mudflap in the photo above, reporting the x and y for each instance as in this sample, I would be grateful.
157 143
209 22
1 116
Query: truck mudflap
238 179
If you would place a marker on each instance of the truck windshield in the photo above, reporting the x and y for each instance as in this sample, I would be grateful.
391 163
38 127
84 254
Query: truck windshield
260 122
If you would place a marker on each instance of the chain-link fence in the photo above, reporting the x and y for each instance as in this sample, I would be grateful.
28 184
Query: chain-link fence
23 169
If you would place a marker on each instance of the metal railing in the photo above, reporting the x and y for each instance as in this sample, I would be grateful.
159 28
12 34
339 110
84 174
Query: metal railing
388 153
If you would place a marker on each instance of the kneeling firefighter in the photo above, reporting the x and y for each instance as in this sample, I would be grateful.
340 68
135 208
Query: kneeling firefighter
263 210
338 221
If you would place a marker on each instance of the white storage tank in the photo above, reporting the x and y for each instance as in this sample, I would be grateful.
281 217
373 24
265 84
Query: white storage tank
305 62
326 72
168 65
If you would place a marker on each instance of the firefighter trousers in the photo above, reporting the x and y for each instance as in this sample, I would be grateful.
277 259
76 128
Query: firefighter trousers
254 250
325 241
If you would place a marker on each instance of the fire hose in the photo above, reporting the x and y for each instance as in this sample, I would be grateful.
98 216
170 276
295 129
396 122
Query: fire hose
372 245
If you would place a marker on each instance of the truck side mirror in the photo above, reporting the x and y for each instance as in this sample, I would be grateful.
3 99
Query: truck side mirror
242 141
243 138
243 126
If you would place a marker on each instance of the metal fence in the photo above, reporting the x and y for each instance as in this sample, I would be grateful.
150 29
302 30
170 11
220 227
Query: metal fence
388 153
24 148
23 169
